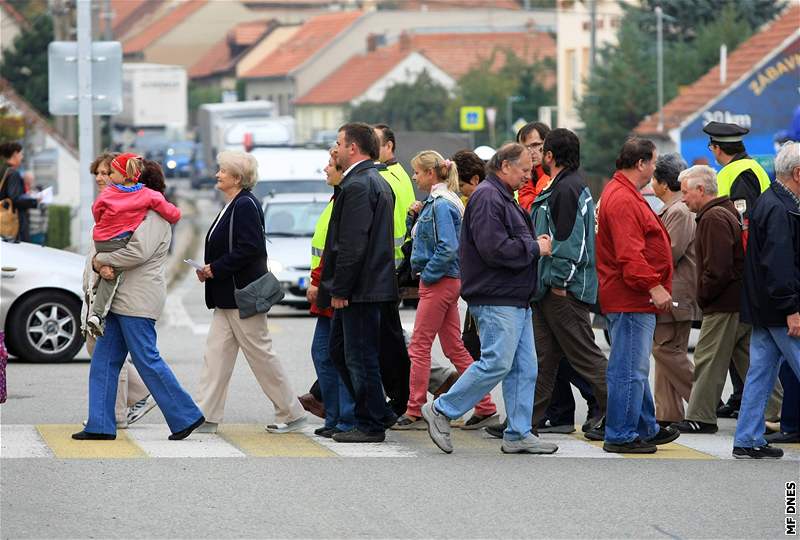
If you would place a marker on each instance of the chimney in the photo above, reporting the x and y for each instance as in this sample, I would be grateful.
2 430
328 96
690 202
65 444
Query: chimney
372 42
405 41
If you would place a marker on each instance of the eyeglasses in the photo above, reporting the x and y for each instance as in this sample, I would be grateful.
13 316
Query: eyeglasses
537 146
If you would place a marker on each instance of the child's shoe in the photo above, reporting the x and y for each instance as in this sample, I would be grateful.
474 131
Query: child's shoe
95 325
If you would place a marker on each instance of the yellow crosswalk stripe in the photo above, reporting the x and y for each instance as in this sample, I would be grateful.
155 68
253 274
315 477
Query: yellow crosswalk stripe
253 440
58 438
665 451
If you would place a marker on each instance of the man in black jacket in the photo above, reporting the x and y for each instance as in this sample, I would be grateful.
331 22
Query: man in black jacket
771 299
358 277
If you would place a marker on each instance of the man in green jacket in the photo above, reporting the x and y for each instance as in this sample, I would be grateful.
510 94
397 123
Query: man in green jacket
567 281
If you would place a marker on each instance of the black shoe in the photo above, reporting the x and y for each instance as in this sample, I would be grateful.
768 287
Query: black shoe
86 436
325 432
757 452
783 438
598 432
182 434
496 430
591 422
636 446
727 411
389 420
547 427
665 435
693 426
357 436
665 423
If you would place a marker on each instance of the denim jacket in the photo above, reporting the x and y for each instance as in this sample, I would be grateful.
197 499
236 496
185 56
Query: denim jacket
435 251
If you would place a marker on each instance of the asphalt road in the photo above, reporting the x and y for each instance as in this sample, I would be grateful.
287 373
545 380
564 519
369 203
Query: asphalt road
244 483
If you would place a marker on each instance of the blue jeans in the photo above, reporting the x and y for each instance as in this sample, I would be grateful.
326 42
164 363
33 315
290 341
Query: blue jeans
508 355
631 413
339 406
767 345
353 347
137 335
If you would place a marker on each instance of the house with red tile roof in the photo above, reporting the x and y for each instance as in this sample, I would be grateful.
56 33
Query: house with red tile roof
178 32
445 57
756 87
302 63
217 67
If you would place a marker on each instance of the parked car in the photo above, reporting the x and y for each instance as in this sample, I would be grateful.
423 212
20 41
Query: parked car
179 159
290 219
40 302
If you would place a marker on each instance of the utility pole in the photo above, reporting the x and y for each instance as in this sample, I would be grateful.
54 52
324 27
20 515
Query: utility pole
660 62
592 35
85 118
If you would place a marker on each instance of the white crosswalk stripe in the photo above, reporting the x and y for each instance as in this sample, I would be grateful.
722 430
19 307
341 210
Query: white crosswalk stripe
152 438
21 441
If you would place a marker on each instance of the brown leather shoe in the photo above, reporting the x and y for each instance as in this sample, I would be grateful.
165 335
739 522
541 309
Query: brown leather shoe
312 405
446 385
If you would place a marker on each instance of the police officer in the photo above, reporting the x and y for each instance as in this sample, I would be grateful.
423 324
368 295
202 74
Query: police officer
394 361
741 177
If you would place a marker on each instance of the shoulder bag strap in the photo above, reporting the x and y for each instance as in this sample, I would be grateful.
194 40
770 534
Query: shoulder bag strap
230 231
3 181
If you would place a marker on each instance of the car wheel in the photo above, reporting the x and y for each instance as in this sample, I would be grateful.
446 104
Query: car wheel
45 327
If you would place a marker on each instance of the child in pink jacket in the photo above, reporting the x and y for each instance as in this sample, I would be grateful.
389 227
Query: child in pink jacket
118 211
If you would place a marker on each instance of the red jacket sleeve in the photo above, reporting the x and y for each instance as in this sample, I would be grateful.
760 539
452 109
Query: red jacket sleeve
316 274
166 209
527 194
629 247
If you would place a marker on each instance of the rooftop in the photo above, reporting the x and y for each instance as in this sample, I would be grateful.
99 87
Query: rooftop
312 36
740 62
161 26
222 56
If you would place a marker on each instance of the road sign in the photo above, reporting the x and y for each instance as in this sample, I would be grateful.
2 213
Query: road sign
62 75
471 118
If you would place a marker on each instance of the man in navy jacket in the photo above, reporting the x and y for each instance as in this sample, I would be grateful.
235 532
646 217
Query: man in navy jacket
499 255
771 299
358 277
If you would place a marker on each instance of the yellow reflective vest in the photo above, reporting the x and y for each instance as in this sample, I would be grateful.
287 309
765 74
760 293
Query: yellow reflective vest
404 197
320 233
730 172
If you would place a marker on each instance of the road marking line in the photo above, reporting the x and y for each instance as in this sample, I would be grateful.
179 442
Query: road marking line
722 447
665 451
152 438
22 441
391 448
253 440
58 438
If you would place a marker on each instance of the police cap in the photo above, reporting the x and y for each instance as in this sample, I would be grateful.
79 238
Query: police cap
725 133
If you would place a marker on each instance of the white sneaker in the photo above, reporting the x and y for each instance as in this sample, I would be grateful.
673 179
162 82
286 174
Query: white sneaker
529 445
95 325
288 427
140 408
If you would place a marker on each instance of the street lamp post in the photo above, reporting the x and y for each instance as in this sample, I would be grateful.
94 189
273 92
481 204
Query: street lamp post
660 68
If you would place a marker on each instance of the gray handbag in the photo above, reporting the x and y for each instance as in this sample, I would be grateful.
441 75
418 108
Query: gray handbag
259 295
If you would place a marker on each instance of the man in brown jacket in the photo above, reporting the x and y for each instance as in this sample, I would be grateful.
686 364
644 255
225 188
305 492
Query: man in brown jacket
720 264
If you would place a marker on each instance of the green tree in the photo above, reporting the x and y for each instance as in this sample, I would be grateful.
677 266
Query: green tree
413 106
622 89
25 67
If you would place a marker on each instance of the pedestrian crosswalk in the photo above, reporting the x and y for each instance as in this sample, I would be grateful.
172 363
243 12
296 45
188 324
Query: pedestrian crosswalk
252 441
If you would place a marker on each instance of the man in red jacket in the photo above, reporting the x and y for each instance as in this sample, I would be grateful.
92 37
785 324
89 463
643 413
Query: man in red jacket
634 268
531 136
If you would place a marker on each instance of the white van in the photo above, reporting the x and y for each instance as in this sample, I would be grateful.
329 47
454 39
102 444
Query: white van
290 170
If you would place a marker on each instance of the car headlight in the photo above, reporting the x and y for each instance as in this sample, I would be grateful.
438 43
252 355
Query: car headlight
274 266
171 164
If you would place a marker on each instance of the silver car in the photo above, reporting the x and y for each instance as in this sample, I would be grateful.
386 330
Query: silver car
290 219
40 301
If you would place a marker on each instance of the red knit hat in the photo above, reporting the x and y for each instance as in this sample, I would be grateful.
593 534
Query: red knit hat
120 164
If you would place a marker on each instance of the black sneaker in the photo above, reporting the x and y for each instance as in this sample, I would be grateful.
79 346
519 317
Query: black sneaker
636 446
597 432
496 430
326 432
665 435
591 422
693 426
727 411
783 438
357 436
757 452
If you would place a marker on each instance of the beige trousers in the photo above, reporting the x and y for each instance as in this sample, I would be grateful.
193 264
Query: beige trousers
673 373
723 339
229 333
130 386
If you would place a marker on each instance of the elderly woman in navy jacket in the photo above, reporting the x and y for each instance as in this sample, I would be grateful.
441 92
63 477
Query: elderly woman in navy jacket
235 256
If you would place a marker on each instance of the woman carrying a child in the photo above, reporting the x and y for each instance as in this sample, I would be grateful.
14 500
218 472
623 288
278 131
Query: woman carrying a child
133 216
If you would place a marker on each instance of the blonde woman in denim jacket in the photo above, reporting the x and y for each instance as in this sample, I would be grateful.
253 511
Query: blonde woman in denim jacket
435 257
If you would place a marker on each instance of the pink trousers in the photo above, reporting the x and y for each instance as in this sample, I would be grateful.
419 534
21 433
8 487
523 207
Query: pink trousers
437 313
